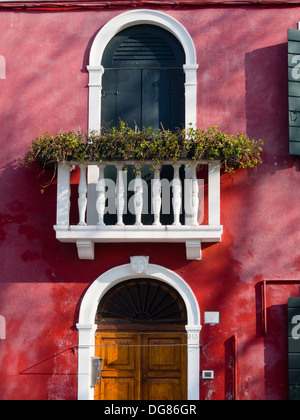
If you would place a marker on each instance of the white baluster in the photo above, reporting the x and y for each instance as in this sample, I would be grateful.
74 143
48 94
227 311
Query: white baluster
177 195
156 197
101 199
192 199
214 193
120 191
195 197
82 196
63 195
138 198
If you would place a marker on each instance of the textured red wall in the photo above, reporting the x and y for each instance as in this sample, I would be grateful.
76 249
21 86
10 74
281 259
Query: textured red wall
242 87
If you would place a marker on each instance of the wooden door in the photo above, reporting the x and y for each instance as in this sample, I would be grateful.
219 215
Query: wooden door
164 367
142 366
120 367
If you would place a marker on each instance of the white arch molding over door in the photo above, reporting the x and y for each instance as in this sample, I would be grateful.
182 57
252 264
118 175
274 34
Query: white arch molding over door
87 327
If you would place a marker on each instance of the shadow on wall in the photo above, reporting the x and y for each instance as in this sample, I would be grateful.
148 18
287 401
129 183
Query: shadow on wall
267 104
260 224
26 219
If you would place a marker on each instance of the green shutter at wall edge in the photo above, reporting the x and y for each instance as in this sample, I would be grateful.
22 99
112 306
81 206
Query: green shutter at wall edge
294 90
294 348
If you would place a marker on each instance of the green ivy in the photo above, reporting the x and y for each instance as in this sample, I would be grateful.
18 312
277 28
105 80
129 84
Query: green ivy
158 146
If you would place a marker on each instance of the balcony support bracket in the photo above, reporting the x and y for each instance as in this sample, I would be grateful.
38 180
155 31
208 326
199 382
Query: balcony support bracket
193 250
86 250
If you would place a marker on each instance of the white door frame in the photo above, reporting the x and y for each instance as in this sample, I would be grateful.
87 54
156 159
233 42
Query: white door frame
87 327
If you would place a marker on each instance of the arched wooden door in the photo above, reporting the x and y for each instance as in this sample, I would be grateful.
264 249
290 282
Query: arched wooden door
142 340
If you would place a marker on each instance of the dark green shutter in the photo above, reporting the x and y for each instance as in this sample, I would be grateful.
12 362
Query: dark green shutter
143 81
294 348
294 90
143 85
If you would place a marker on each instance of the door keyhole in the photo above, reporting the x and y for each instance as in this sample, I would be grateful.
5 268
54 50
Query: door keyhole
145 377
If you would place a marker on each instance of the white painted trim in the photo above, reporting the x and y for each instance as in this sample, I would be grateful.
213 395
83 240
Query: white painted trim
138 17
86 325
131 233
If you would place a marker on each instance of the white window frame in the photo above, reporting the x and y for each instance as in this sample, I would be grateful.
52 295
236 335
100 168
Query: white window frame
87 327
126 20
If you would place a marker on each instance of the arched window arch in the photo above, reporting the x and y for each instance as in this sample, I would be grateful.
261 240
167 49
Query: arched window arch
127 20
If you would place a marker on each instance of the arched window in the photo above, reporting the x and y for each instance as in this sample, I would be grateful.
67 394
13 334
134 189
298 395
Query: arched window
143 80
131 19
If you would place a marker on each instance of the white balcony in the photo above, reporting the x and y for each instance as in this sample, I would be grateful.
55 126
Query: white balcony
107 202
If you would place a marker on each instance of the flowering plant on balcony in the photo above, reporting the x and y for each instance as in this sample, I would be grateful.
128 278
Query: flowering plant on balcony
148 144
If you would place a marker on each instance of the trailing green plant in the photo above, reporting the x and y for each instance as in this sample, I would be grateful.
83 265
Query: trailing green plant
148 144
234 151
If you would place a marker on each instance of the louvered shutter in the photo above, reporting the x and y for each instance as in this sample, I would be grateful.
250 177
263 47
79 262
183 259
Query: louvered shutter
294 347
143 81
143 47
294 90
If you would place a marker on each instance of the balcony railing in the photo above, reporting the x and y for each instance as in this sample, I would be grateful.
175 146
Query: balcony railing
120 202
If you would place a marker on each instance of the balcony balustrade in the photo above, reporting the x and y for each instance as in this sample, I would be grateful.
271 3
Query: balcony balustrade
120 202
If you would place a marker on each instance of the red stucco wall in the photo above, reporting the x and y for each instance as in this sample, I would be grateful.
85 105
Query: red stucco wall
242 86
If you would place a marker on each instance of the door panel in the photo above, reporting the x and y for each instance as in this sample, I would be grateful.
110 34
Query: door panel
164 364
129 97
148 366
120 368
120 389
161 355
164 389
109 98
177 99
118 358
155 98
121 97
144 97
